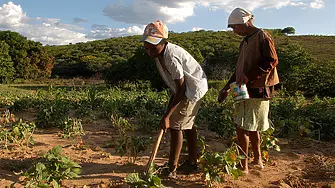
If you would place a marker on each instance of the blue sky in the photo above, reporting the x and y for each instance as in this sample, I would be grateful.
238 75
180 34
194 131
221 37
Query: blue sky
57 22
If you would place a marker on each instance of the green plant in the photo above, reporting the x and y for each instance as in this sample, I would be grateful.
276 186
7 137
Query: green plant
92 96
121 124
214 164
72 128
15 132
131 146
268 141
137 180
51 170
52 114
22 133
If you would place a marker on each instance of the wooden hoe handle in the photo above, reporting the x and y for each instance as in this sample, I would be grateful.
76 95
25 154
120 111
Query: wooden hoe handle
154 151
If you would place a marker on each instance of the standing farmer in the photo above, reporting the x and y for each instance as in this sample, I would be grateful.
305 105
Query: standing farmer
256 67
188 84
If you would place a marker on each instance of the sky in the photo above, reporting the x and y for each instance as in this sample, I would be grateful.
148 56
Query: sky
60 22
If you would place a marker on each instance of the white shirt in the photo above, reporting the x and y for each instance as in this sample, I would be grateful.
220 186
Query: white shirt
178 64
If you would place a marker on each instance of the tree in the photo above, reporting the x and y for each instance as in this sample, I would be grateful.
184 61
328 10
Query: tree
7 70
288 30
30 59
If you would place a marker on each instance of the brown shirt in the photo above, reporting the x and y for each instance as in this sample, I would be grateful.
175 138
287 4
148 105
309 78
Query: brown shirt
258 60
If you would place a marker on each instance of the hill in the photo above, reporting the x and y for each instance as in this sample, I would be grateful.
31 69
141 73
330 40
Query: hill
320 47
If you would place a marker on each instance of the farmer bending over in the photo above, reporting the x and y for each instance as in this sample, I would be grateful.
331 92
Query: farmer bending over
188 84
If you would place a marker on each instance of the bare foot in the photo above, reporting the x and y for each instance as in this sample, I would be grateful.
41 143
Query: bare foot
256 165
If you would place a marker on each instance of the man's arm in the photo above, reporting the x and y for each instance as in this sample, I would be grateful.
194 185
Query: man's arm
223 93
177 97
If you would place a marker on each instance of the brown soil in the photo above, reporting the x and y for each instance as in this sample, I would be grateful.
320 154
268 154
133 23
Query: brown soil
301 163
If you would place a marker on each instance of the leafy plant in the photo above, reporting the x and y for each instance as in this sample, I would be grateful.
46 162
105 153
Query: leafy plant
16 132
215 164
52 114
72 128
121 125
51 170
131 146
137 180
22 133
268 141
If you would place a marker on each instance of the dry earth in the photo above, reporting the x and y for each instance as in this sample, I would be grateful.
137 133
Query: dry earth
301 163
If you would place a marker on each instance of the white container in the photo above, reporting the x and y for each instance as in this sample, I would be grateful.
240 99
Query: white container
239 92
244 92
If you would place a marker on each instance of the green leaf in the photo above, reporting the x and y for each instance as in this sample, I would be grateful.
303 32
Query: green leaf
134 179
156 180
55 184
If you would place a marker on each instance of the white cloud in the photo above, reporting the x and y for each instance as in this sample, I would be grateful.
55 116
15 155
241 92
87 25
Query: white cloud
44 30
103 31
11 15
229 5
136 12
53 31
317 4
197 28
173 11
144 11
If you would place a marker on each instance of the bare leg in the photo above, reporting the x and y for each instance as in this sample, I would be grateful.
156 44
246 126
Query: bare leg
175 148
191 137
243 140
256 147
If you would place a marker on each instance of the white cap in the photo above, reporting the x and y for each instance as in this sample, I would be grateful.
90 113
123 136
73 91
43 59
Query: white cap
239 16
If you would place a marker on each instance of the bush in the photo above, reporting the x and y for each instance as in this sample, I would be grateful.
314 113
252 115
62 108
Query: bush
51 170
7 70
138 67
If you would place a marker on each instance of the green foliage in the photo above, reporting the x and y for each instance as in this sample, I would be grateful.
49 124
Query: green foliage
121 125
217 116
288 30
136 180
295 116
139 67
291 68
22 133
292 115
131 146
124 60
322 75
51 170
320 47
215 164
16 133
298 71
142 180
30 58
73 128
7 70
268 141
52 114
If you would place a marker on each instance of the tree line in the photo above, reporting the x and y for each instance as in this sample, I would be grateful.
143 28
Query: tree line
123 59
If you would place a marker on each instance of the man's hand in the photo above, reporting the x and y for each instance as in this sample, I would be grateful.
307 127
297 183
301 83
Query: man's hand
165 123
222 95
